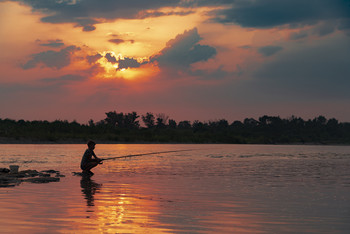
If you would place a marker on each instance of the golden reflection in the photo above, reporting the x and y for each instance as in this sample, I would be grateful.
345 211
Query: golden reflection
117 208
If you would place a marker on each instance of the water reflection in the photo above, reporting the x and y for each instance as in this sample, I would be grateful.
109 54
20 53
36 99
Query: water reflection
89 188
237 189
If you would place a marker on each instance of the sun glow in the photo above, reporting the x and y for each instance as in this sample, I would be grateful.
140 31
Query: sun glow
111 69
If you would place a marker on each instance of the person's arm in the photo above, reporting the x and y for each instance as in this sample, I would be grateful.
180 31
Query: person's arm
97 158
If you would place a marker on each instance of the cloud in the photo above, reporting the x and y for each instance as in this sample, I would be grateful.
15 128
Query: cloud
52 43
320 71
324 29
129 63
119 41
183 51
217 74
87 13
52 59
93 58
64 78
88 28
269 50
272 13
298 35
110 58
116 41
155 13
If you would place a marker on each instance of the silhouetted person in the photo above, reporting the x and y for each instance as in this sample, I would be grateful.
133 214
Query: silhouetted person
87 162
89 188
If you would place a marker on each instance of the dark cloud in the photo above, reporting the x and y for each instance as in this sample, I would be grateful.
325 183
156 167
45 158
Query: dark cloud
324 29
86 13
269 50
52 59
271 13
129 63
88 28
320 71
119 41
51 43
116 41
93 58
147 14
64 78
110 58
298 35
246 47
247 13
183 51
344 25
217 74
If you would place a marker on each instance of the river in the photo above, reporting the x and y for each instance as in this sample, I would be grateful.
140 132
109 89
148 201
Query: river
208 189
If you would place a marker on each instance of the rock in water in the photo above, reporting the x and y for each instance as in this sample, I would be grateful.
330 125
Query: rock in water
41 180
13 177
4 170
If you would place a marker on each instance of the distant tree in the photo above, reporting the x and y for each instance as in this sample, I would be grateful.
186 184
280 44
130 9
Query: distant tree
320 120
101 123
172 123
91 123
148 119
185 124
250 122
162 120
112 118
296 122
130 120
197 125
222 124
237 124
332 123
121 120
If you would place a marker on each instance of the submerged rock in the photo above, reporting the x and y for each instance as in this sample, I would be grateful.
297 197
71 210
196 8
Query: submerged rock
7 181
40 180
12 178
4 170
50 171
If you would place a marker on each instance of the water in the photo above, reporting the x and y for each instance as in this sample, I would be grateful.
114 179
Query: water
212 189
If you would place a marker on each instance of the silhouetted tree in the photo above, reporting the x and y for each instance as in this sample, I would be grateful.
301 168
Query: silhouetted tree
162 120
197 126
122 121
184 124
148 119
130 120
91 123
320 120
124 127
113 118
172 123
250 122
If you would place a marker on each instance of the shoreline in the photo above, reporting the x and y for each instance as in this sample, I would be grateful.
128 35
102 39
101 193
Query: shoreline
81 141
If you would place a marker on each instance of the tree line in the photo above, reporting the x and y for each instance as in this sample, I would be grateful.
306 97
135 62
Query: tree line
159 128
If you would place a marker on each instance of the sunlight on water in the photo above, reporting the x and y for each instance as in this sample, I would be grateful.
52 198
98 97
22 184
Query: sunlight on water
210 189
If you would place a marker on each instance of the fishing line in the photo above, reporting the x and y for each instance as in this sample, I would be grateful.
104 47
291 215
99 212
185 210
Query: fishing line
137 155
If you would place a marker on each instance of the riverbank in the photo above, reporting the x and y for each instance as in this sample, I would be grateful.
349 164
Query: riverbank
83 141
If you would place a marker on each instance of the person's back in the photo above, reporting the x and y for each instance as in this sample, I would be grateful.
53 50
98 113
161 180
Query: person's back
87 162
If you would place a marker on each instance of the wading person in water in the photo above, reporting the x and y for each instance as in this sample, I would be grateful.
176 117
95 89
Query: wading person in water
87 162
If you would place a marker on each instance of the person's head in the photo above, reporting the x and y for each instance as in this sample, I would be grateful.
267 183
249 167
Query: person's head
91 144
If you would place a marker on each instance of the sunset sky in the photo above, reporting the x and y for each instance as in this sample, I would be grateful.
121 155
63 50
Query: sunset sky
190 59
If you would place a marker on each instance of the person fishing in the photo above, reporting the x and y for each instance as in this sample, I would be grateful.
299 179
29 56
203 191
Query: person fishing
87 162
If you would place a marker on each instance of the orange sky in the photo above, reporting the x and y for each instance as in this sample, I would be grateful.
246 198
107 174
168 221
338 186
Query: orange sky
191 60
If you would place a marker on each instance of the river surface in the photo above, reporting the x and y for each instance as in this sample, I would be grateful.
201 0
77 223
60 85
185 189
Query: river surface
209 189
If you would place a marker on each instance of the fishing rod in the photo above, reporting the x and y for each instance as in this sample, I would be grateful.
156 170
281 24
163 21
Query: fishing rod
137 155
